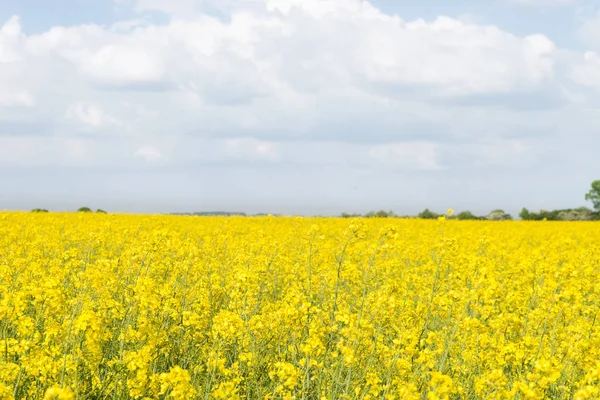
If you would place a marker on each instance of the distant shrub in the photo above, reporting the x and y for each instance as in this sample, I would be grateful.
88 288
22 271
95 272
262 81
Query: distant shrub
466 215
100 211
525 214
85 210
39 210
427 214
380 214
576 214
498 215
348 215
570 214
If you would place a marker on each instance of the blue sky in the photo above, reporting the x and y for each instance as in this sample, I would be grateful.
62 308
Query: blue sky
310 107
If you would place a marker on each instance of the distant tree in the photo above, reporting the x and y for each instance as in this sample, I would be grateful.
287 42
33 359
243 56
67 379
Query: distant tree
427 214
84 209
594 195
39 210
466 215
575 214
569 214
348 215
100 211
547 215
382 214
499 215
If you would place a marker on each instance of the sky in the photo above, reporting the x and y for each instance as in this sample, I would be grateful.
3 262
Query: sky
311 107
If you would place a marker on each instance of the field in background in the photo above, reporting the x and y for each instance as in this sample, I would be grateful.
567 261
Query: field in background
113 307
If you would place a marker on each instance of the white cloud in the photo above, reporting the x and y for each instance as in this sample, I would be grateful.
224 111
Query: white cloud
589 32
149 153
506 153
86 114
415 155
10 40
274 72
249 149
21 98
304 45
16 151
122 65
455 58
587 71
75 149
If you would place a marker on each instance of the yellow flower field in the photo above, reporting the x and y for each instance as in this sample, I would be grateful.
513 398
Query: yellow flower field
115 307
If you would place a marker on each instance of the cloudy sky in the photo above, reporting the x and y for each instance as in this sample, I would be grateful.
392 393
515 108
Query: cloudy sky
298 106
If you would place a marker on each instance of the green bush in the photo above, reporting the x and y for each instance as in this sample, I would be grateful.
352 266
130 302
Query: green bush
427 214
348 215
569 214
498 215
380 214
466 215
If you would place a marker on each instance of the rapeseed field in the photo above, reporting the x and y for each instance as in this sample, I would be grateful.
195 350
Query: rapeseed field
164 307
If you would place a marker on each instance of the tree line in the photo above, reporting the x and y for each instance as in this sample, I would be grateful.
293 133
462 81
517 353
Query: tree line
568 214
496 215
81 209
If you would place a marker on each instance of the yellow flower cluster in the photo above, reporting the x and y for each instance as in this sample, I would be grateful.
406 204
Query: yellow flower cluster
141 307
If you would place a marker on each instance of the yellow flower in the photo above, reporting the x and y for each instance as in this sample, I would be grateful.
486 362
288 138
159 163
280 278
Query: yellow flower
178 307
5 392
58 393
176 384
